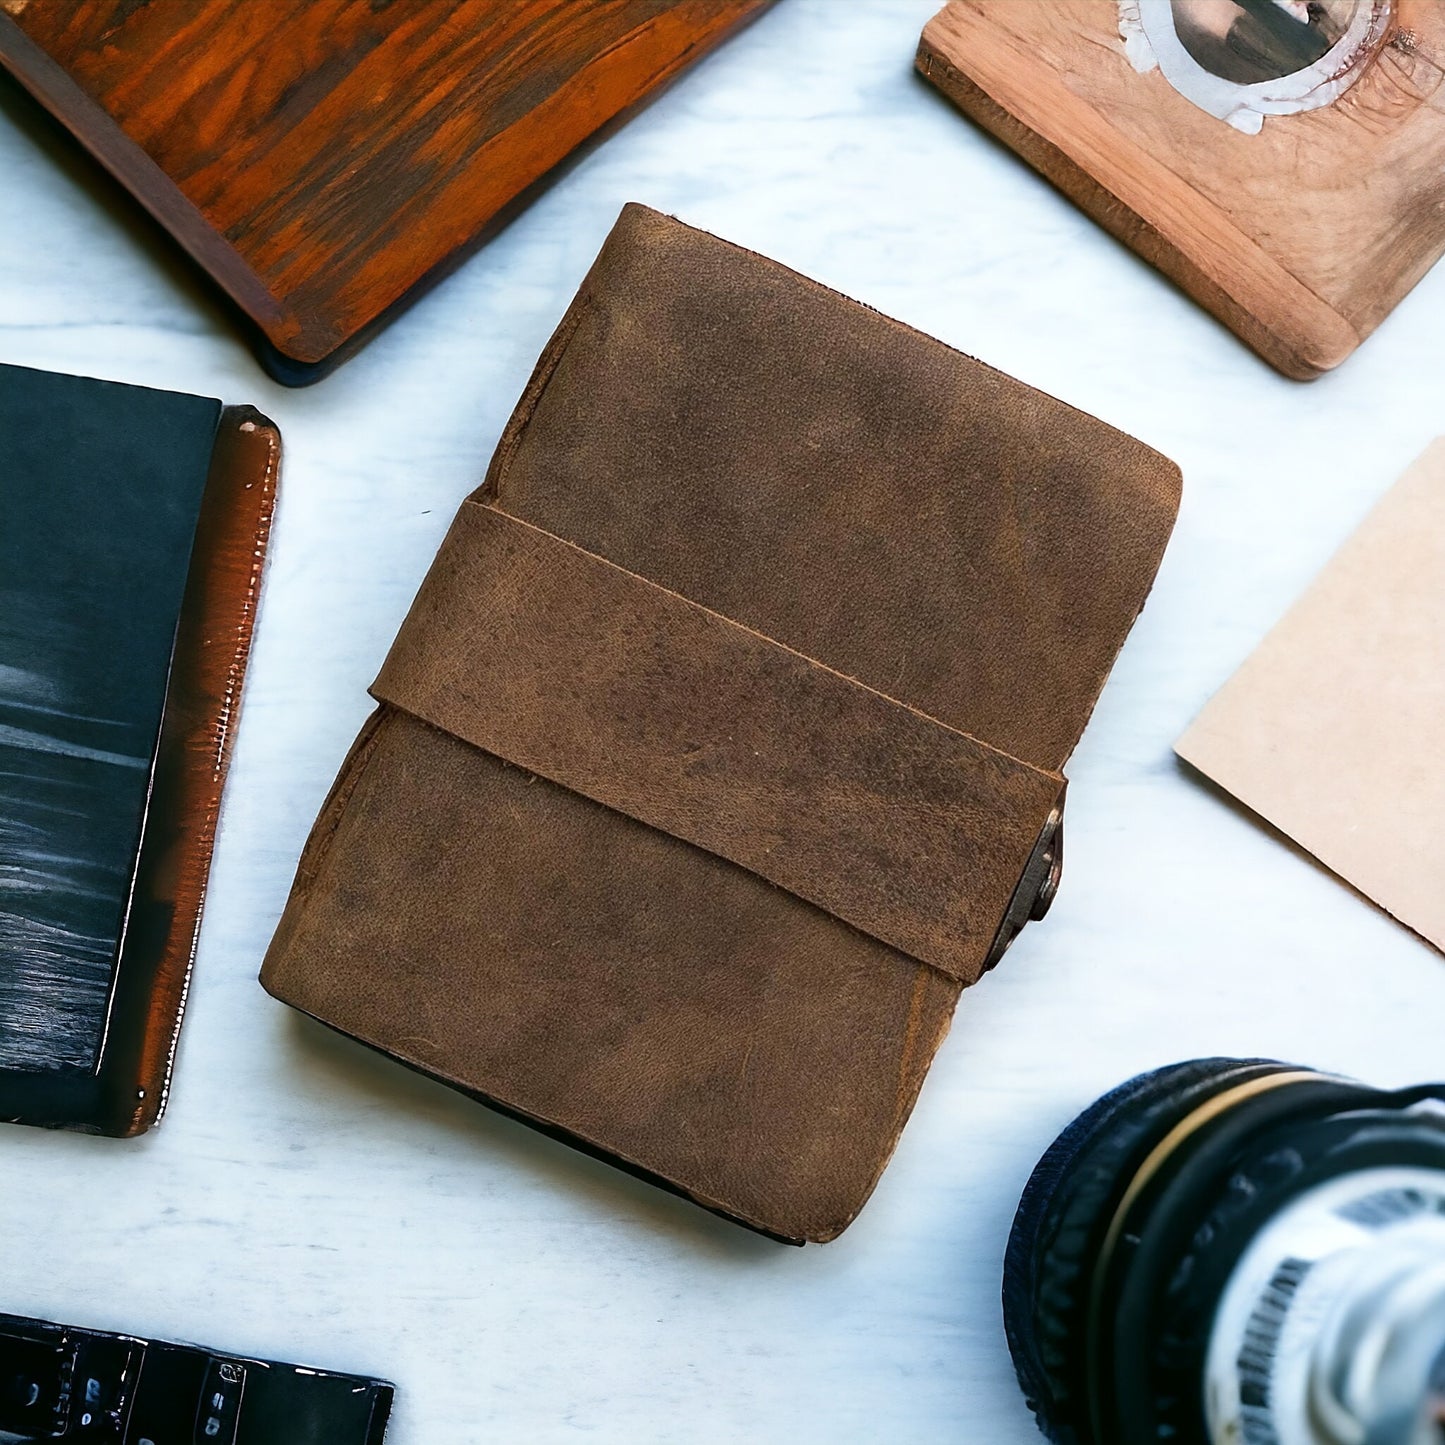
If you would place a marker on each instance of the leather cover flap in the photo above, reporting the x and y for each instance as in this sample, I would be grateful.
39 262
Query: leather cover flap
572 668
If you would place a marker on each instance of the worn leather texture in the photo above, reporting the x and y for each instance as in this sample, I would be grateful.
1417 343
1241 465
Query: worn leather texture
568 666
723 728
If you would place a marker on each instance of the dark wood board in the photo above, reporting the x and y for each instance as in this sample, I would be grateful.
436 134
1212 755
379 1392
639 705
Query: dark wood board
321 160
1301 238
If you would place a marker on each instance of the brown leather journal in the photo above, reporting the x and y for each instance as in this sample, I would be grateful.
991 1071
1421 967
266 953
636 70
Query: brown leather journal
721 748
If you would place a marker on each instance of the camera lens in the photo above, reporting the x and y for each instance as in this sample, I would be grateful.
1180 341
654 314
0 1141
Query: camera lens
1236 1252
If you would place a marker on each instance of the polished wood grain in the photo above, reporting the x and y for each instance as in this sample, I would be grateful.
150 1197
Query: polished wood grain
322 159
1301 239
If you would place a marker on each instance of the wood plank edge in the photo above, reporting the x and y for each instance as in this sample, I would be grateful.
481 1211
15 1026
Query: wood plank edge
308 361
1300 351
51 86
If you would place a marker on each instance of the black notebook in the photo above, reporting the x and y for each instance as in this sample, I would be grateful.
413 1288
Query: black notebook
132 527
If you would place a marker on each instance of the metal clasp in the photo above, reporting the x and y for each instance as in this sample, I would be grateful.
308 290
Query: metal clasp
1036 888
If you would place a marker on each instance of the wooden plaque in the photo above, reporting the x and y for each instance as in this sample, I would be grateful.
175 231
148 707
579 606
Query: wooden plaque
1301 237
323 159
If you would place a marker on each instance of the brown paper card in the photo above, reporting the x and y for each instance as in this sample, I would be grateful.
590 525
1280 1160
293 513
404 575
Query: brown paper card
1334 728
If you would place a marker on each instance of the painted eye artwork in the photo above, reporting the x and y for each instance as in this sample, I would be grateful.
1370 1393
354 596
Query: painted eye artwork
1248 41
1243 60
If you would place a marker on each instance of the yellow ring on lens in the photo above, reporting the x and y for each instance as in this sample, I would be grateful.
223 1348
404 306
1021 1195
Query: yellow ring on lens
1186 1128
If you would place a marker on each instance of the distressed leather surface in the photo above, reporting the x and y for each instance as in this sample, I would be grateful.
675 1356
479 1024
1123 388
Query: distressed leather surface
564 664
841 486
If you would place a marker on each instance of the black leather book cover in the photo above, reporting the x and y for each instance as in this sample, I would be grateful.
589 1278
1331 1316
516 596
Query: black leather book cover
123 515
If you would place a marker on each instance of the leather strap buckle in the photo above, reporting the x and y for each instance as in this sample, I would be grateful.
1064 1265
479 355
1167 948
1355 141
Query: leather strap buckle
1037 887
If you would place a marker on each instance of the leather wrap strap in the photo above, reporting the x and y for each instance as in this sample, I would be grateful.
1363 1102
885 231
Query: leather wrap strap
588 675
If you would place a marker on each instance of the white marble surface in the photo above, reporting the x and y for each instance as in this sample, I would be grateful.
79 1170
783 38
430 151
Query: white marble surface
306 1199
